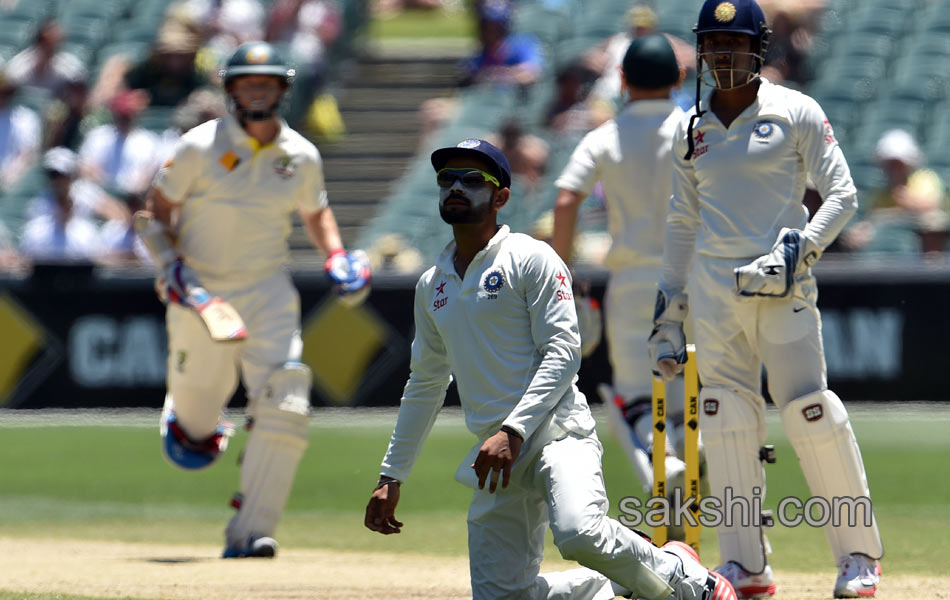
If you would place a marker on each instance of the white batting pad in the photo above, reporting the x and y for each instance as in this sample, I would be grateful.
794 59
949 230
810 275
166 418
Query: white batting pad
733 430
274 449
818 428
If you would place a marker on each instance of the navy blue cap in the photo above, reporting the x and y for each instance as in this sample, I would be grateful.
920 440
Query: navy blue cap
734 16
476 148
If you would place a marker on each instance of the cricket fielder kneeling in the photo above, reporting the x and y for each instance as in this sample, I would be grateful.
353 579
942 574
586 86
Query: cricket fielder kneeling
497 312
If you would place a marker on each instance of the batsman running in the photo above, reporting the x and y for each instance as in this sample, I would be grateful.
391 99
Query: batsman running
630 156
739 236
220 215
497 313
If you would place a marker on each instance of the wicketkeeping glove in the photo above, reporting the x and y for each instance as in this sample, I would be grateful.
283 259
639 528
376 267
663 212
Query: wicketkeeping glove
772 275
667 342
350 274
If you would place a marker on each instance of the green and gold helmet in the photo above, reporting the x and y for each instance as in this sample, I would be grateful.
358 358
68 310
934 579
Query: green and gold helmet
257 58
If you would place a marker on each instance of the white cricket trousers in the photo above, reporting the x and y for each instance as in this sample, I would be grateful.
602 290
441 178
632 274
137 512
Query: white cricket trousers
203 374
562 486
629 302
736 336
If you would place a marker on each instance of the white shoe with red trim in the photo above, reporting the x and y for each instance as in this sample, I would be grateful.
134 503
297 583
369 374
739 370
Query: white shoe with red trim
747 585
699 583
858 577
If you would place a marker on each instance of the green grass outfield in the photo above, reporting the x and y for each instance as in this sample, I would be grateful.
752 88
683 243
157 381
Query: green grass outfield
101 476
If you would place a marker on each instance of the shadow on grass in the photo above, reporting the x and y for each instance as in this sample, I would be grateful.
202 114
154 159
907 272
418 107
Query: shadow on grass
179 560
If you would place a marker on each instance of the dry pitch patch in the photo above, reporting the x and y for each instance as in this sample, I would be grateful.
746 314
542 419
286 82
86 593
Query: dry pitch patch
113 569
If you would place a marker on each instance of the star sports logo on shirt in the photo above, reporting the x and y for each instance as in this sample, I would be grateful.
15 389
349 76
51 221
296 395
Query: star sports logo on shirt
563 294
700 150
439 302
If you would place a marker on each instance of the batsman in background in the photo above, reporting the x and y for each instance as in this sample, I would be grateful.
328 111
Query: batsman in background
497 313
224 202
630 156
739 236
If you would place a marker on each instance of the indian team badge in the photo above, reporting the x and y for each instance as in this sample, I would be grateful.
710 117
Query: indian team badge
494 281
470 143
725 12
763 130
285 167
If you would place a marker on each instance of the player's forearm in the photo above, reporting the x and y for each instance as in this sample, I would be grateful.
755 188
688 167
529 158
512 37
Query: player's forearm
322 230
413 424
678 247
554 376
163 214
839 201
565 222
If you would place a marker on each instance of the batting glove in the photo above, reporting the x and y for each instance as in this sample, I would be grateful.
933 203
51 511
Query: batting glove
772 275
350 274
175 281
667 341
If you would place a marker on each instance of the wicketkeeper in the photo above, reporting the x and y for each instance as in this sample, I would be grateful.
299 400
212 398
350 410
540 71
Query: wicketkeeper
739 236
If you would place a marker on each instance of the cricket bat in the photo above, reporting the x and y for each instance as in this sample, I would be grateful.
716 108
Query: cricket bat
223 322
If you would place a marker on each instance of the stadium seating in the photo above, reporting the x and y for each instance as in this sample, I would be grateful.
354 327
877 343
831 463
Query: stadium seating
877 64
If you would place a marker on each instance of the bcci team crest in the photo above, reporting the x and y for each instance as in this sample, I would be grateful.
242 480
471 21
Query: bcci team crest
725 12
285 167
494 281
472 143
763 130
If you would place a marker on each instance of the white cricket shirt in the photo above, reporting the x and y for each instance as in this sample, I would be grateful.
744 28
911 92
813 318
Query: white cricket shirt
745 183
236 199
630 156
508 332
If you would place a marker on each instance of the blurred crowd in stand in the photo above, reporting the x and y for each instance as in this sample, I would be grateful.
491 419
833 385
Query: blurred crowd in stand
907 216
80 142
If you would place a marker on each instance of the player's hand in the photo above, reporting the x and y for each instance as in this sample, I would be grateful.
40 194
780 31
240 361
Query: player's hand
381 510
350 273
772 275
667 343
174 281
495 458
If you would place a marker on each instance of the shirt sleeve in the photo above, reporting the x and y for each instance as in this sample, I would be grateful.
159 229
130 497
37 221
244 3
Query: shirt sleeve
828 168
546 282
312 193
682 220
177 176
581 172
429 376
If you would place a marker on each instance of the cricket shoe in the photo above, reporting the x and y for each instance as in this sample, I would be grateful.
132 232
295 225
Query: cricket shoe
747 585
858 576
698 583
256 547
